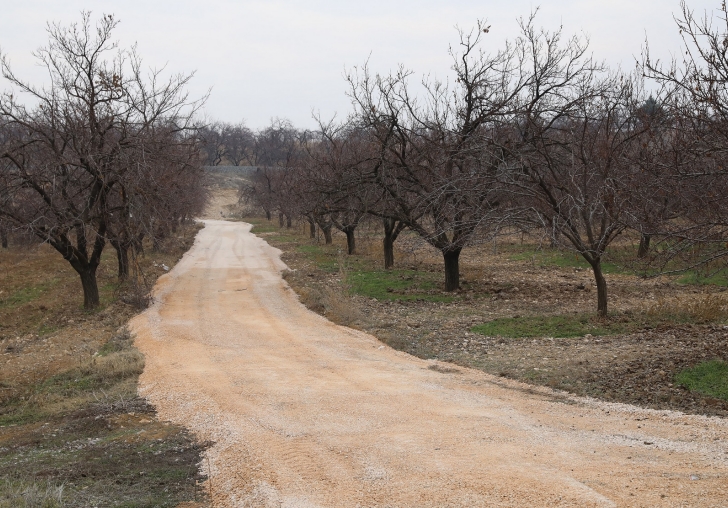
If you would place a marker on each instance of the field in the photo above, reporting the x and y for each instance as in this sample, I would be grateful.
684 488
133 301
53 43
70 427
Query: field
72 430
527 312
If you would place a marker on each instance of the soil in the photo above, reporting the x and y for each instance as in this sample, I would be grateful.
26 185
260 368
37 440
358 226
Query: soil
307 413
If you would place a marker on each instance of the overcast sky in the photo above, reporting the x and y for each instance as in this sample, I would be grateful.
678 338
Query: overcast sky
266 59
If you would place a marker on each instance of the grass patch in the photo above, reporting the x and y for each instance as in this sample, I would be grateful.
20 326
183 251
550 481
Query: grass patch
695 277
326 258
396 285
262 226
73 432
24 295
563 259
708 378
550 326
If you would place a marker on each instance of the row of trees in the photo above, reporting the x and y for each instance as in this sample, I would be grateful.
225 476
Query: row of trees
106 152
236 145
537 135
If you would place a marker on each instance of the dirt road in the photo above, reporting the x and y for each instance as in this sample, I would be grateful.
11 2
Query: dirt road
305 413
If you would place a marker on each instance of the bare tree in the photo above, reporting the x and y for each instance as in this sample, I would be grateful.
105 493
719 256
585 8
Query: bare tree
213 142
578 135
440 156
238 143
695 152
72 150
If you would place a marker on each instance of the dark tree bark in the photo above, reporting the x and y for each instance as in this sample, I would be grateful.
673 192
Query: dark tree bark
452 269
392 229
601 287
268 214
280 219
325 225
122 257
327 234
644 247
4 237
85 265
350 239
90 287
289 221
312 227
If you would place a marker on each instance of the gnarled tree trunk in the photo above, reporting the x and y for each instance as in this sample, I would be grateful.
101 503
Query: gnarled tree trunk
90 286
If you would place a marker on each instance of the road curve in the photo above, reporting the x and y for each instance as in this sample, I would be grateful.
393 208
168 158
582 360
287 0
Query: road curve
305 413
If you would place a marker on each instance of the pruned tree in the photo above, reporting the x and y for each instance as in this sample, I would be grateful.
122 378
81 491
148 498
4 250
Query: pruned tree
82 139
577 135
440 156
339 192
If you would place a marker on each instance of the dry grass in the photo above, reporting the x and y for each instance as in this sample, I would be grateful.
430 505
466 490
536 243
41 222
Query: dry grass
331 302
710 308
38 494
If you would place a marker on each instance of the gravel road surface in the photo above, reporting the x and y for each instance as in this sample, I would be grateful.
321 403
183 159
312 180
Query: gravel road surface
305 413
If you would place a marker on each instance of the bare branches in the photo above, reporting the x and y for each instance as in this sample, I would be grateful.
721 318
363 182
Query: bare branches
78 164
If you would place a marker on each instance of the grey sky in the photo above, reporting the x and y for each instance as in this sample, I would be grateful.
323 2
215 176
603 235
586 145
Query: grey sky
266 59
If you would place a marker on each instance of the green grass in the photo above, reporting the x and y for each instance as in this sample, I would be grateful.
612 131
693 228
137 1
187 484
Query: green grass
708 378
262 226
24 295
562 259
550 326
694 277
396 285
326 258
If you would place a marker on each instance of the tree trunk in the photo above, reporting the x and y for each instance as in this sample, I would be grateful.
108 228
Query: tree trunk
388 242
388 252
601 288
289 221
327 234
644 247
267 214
312 227
4 237
350 240
280 220
90 286
122 258
452 269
